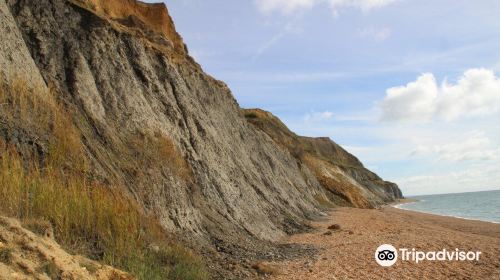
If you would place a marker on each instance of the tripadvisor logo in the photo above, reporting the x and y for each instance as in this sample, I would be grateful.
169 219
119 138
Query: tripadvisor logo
387 255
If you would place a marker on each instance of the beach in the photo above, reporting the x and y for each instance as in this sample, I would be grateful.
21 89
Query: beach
349 252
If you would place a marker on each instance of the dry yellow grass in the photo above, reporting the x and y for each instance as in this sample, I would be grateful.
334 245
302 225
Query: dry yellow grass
92 220
153 150
37 110
87 217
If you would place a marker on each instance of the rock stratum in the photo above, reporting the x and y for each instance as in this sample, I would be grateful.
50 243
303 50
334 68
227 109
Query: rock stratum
229 178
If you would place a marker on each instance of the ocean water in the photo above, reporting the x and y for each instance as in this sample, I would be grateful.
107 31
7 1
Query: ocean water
483 206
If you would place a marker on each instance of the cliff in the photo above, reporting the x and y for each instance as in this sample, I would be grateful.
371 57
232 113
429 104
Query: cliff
157 129
122 92
345 179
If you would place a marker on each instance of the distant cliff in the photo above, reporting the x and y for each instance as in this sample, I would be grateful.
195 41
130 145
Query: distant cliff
157 129
345 179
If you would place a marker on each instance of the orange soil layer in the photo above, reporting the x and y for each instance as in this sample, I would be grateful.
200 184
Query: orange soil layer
153 15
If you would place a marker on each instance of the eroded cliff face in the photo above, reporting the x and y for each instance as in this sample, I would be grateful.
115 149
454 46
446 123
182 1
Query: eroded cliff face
345 179
15 57
155 126
124 87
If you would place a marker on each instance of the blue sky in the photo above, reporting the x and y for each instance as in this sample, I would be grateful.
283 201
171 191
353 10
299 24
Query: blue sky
411 87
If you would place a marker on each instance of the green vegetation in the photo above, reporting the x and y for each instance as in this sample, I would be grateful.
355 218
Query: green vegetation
87 217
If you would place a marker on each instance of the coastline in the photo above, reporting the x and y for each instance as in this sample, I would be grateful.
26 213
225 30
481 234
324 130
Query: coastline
348 253
400 202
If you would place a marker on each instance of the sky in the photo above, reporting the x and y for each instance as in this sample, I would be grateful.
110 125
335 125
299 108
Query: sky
411 87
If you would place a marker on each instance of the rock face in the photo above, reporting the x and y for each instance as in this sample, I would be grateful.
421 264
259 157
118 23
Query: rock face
123 84
122 70
15 57
345 179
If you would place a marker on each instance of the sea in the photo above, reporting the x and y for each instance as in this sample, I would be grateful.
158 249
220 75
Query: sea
483 206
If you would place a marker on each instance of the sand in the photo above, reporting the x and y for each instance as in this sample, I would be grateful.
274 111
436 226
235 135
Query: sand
348 253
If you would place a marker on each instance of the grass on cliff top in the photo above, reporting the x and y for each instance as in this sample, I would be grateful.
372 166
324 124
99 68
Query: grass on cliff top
88 218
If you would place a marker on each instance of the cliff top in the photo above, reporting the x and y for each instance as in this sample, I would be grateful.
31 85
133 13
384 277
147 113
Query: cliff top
152 16
322 147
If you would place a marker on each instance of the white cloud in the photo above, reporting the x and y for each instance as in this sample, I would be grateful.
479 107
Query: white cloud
478 178
318 116
415 101
477 92
292 6
476 147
